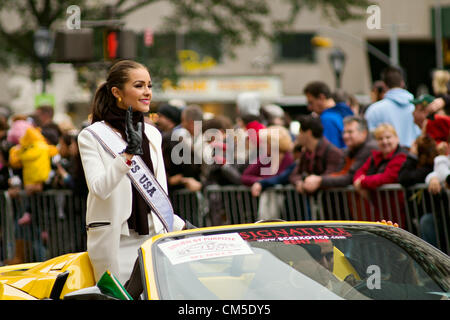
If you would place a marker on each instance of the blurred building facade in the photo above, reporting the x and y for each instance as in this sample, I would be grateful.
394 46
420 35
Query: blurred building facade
278 71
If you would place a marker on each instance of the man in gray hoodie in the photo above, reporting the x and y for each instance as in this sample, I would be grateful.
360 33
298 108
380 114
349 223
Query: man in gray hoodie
395 108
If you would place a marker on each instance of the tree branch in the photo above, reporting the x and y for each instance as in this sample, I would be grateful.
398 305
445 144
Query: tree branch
34 10
14 41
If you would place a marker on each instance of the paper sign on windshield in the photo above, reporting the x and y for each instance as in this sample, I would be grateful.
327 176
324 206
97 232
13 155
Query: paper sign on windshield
205 247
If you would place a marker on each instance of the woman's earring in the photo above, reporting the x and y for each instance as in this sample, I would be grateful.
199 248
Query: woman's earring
119 99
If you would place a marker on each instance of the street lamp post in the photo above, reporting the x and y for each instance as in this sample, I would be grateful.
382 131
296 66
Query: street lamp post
337 61
43 47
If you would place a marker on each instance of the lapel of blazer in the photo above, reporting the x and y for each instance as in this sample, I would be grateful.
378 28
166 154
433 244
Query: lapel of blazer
153 147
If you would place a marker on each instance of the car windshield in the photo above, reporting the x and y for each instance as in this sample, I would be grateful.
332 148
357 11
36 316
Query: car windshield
301 262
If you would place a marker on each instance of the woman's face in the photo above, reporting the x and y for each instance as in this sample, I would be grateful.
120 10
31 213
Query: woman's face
387 142
136 92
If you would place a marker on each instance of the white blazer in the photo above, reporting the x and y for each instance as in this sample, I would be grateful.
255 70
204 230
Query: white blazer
109 199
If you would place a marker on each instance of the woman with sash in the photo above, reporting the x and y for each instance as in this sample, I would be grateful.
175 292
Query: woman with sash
122 160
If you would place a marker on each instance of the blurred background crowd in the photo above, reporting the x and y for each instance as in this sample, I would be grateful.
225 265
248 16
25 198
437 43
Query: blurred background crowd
398 138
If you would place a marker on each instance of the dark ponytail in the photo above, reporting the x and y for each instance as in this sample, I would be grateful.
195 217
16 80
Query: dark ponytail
103 98
117 77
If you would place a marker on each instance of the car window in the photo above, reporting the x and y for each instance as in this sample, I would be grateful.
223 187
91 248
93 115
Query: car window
298 262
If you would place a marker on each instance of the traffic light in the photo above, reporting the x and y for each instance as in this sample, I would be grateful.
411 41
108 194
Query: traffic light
119 44
74 45
111 45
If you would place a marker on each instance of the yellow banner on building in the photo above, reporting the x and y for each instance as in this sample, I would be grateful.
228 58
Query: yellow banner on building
220 88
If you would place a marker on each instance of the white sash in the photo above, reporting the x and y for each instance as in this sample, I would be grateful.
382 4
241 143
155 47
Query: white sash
140 175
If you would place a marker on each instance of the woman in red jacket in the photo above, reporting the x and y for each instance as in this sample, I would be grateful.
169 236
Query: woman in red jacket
382 167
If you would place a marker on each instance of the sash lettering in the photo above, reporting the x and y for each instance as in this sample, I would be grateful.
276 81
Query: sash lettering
139 174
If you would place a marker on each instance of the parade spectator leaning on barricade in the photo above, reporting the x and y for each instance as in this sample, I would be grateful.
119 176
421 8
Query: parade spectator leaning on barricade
418 164
275 158
359 147
318 157
441 169
395 108
331 112
438 180
381 168
280 179
419 161
275 155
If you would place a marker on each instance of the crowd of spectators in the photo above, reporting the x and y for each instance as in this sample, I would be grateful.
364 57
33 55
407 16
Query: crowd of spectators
395 139
38 154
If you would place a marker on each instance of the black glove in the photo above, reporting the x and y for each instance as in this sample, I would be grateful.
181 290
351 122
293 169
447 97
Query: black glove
134 136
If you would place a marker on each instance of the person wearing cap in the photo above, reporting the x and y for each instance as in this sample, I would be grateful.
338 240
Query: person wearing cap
420 112
437 126
440 105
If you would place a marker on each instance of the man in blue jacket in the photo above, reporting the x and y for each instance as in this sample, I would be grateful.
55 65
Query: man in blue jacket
395 108
320 101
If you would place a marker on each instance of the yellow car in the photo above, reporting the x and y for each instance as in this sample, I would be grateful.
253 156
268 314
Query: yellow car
323 260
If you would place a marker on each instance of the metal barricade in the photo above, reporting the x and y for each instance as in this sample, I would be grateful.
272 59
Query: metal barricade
414 209
57 224
190 206
235 204
41 226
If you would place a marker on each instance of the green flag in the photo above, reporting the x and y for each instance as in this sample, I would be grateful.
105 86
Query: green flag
109 285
